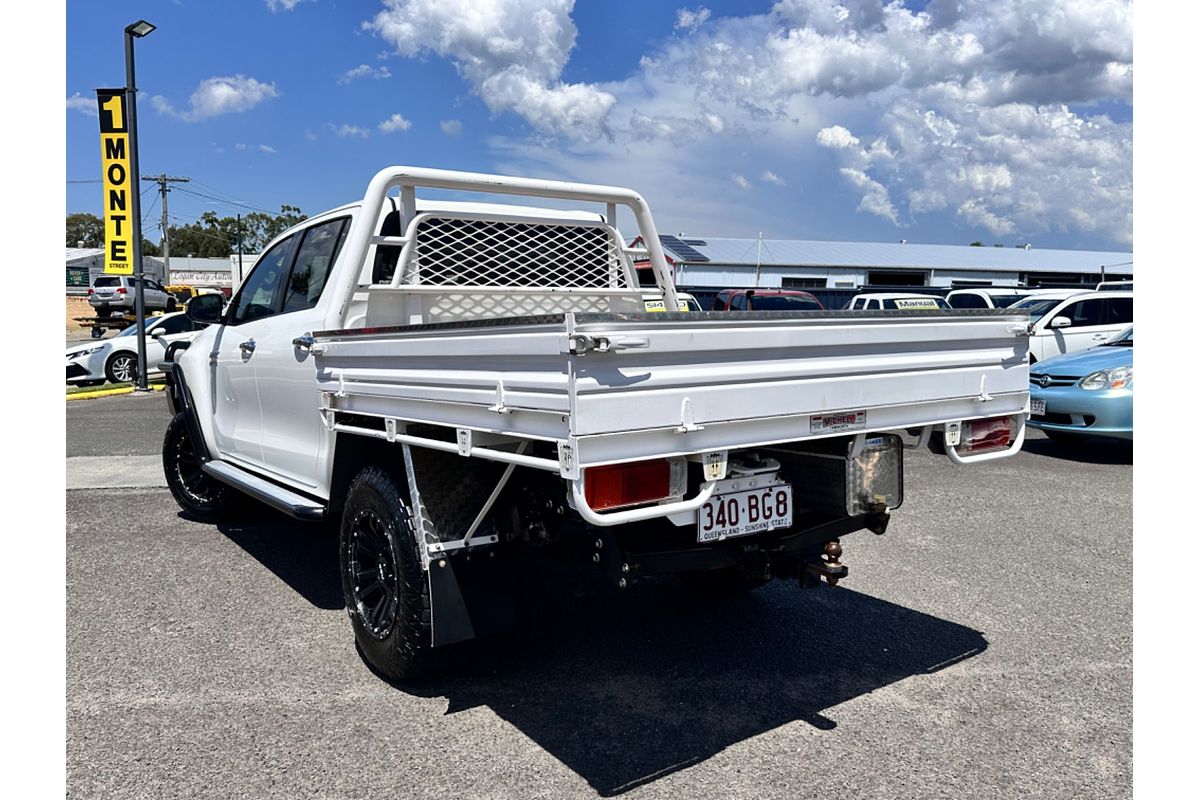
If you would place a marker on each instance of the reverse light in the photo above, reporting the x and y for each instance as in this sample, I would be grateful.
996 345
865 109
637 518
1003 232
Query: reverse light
1116 378
993 433
634 483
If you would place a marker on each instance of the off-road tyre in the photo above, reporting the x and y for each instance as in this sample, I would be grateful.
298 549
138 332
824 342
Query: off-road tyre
202 497
121 367
385 587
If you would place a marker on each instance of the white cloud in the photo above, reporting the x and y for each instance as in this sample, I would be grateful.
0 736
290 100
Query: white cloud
511 52
396 122
286 5
364 71
348 131
216 96
87 105
740 180
771 177
262 148
451 127
836 137
966 114
688 20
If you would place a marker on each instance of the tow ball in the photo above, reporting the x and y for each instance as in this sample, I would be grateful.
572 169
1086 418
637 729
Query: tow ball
827 566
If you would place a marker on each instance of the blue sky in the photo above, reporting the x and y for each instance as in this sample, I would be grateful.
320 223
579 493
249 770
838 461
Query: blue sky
1005 121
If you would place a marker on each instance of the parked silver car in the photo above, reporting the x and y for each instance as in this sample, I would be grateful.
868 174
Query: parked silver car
117 293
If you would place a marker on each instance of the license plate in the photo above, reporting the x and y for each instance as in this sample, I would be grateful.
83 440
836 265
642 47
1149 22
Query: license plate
746 512
1037 407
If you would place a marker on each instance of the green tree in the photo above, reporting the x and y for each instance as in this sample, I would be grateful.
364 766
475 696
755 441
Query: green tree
85 230
976 244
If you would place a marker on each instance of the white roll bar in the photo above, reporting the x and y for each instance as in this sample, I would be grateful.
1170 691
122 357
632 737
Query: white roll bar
409 178
579 500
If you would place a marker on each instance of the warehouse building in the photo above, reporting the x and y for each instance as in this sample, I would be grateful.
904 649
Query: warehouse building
710 264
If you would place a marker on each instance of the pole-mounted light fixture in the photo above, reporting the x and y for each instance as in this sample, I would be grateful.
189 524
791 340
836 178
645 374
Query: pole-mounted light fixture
139 28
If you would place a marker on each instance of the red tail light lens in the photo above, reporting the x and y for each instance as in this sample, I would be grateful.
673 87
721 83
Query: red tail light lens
993 433
632 484
91 291
122 290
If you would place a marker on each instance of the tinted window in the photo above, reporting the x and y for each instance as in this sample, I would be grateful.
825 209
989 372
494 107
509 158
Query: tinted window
966 301
1085 312
738 303
259 295
1120 311
783 302
107 281
1006 300
317 252
1037 308
171 325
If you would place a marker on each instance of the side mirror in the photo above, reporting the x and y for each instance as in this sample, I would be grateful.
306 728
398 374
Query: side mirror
1060 322
205 309
158 333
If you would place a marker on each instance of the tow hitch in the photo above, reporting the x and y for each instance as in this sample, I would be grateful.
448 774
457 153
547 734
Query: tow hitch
825 566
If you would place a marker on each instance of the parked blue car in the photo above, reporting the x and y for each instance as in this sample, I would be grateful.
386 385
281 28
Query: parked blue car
1086 393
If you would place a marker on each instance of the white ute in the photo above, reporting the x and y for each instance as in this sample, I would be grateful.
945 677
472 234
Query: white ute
452 383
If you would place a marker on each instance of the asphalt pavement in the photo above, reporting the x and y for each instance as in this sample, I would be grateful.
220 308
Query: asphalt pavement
981 648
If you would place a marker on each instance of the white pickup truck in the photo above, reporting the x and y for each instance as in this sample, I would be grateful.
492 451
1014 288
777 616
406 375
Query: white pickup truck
451 383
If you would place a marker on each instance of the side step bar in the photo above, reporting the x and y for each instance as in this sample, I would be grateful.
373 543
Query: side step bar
281 499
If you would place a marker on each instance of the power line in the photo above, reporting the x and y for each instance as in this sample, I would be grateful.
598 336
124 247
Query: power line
226 202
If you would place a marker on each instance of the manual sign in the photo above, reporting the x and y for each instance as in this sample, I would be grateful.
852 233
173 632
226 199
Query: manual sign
114 158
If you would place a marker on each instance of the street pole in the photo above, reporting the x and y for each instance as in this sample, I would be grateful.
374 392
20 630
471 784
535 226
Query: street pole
136 30
162 181
239 218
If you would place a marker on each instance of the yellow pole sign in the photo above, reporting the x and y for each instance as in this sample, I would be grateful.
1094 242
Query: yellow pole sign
114 158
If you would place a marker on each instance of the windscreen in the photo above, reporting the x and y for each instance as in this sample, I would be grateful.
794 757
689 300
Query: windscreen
783 302
105 281
1037 308
1006 300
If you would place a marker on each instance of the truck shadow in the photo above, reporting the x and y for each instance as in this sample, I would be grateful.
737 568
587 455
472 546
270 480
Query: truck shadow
1087 451
625 689
303 555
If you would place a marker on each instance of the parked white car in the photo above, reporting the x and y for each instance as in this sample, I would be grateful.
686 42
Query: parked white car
1083 319
885 300
116 359
986 297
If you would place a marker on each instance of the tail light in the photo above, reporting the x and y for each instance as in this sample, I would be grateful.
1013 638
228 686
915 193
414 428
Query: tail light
634 483
122 290
91 291
993 433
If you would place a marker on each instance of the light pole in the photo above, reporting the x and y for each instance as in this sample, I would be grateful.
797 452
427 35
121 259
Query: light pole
136 31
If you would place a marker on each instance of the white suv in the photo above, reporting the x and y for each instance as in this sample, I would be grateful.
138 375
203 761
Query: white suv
1065 324
109 293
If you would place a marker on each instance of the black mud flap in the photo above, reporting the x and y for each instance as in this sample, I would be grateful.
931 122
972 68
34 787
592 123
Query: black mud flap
468 600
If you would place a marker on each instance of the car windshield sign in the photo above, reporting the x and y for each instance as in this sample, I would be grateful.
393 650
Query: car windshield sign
922 303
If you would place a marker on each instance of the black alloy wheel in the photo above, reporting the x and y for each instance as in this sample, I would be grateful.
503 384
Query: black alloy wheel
202 497
374 584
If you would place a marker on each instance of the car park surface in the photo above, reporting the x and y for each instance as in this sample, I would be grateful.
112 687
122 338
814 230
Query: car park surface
981 648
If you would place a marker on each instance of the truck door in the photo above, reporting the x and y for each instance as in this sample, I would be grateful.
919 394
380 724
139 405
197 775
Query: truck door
237 415
294 437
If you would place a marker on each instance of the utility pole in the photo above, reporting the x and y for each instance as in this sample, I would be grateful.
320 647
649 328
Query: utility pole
162 181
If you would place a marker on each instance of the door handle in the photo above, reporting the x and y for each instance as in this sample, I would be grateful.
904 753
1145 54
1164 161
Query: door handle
304 342
247 347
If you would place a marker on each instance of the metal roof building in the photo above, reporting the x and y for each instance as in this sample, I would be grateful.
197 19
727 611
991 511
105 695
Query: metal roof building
717 263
